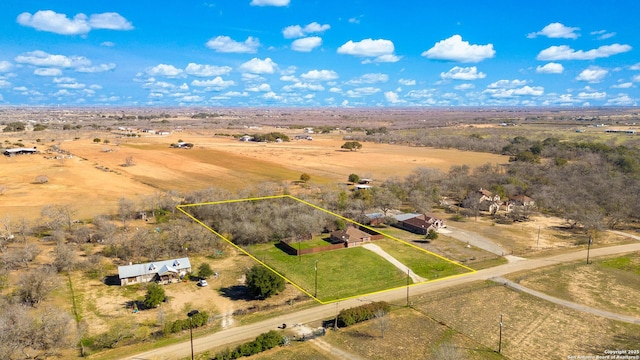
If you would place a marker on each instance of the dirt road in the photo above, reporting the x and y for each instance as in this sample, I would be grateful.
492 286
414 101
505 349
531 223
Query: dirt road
569 304
250 331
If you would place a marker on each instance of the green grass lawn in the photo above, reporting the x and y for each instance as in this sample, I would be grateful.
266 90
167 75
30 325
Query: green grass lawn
419 261
341 273
317 241
355 271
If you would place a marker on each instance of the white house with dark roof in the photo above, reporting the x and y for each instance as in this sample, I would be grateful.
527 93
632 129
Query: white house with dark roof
166 271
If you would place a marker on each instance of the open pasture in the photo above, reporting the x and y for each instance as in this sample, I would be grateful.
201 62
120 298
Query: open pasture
94 179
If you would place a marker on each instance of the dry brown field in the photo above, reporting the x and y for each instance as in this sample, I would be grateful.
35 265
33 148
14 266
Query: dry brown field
94 178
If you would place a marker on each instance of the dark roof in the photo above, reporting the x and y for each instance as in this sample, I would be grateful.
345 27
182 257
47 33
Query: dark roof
350 233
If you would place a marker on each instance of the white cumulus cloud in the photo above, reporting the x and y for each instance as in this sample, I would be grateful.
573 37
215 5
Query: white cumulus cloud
556 30
270 2
109 21
320 75
260 88
41 58
624 85
371 78
455 49
295 31
217 83
407 82
201 70
5 66
164 70
381 49
593 74
550 68
465 86
603 34
50 21
225 44
364 91
47 72
306 44
466 73
393 97
564 52
502 93
258 66
96 68
507 84
592 95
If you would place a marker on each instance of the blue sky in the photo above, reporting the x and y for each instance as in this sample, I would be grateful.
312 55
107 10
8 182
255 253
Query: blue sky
295 53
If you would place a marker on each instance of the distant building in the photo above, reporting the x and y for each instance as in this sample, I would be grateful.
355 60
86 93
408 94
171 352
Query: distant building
20 151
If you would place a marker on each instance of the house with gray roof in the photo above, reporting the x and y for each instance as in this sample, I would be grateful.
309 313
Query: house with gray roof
165 272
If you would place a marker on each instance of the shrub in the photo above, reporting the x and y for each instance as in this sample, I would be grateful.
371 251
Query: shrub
197 320
155 295
263 282
348 317
262 343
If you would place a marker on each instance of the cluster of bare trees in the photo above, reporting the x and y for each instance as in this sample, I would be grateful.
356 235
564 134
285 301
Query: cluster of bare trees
590 182
32 335
260 221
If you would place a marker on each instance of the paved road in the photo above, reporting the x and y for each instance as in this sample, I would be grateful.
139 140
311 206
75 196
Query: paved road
250 331
569 304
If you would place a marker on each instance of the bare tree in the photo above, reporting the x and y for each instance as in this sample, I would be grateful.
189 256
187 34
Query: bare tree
36 285
128 161
58 216
64 258
384 199
125 211
382 321
31 336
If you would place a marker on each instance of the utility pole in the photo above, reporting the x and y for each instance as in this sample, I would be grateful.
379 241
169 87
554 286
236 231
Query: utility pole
500 341
588 248
335 324
408 277
315 294
190 315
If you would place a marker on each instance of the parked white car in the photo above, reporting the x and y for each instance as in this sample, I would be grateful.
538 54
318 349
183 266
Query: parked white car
202 283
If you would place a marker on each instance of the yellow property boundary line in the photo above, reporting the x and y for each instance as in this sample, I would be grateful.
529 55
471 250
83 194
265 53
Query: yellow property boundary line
181 208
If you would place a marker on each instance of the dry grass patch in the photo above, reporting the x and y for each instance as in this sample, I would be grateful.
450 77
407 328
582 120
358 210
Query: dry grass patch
608 284
410 335
533 328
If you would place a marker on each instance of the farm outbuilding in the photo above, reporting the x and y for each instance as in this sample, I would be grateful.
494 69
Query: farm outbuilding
20 151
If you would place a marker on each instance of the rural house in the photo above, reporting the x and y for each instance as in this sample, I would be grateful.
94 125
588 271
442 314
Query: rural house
419 223
164 272
522 200
351 236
